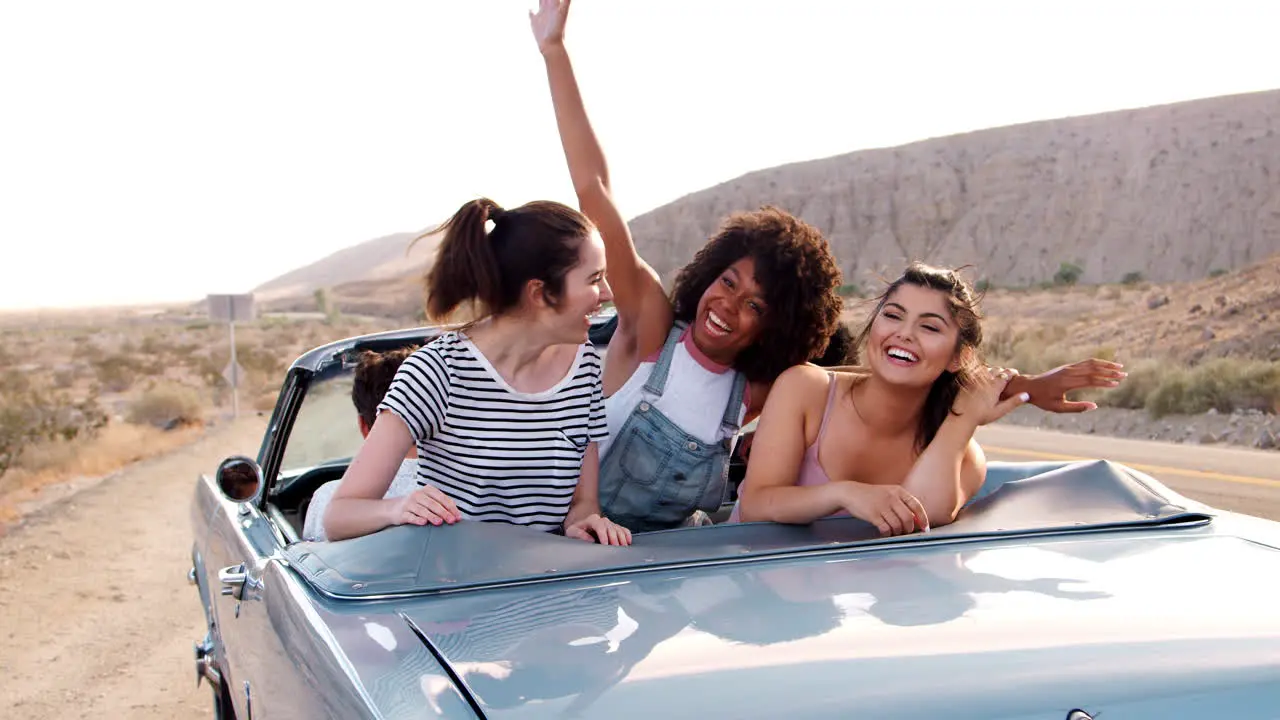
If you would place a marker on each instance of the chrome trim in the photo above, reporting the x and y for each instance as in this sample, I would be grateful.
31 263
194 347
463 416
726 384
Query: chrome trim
237 582
206 666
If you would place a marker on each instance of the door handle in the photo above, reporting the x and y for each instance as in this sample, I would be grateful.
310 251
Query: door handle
235 579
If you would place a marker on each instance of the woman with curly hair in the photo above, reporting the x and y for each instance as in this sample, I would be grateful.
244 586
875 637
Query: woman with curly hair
891 443
685 372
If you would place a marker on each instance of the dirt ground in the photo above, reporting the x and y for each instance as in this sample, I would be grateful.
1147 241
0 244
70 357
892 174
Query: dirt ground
96 616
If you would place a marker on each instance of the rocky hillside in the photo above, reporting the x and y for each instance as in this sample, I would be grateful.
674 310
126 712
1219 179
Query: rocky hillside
1173 192
378 260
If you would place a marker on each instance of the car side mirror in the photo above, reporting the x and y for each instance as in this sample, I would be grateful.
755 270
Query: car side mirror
239 478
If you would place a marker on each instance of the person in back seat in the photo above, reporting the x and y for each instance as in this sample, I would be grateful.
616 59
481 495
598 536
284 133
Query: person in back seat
372 378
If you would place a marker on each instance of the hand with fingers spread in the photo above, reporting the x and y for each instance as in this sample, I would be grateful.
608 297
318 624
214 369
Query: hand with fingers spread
980 400
595 528
892 509
1049 390
426 505
547 23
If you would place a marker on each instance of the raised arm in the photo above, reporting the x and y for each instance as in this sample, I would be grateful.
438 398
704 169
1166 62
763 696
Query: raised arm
644 313
952 468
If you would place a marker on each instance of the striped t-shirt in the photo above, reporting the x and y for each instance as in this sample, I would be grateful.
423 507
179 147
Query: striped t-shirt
501 455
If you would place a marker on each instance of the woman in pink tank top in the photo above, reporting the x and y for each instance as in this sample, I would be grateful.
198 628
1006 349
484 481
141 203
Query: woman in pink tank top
892 442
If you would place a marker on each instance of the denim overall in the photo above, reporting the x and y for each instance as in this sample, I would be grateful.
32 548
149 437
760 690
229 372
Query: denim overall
656 475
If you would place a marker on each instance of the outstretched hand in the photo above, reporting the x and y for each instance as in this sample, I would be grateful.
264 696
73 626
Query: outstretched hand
1049 390
547 23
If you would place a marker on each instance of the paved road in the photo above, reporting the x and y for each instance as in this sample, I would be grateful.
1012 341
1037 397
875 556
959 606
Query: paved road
1246 481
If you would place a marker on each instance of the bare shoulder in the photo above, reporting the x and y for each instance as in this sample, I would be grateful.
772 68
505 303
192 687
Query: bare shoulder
802 384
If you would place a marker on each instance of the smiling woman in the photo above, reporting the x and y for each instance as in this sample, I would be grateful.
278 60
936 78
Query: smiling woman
505 411
683 374
891 443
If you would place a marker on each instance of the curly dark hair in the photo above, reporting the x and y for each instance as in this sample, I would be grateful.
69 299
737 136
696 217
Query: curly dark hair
798 274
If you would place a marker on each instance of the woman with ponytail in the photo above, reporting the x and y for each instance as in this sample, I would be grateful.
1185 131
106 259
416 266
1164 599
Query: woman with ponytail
507 410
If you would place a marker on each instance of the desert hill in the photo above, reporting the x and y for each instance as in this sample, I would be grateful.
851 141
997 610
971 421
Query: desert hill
1184 198
375 261
1173 192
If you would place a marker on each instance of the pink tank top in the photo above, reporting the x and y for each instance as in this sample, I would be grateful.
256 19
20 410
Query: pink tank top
811 472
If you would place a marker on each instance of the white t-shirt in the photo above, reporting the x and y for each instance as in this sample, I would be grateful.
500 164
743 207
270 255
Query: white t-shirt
405 482
695 396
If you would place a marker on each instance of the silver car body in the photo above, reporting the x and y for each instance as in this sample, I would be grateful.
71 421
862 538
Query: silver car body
1086 587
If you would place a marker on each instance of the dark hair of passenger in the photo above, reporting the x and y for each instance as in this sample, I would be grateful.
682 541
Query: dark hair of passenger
491 267
372 378
799 276
840 349
963 303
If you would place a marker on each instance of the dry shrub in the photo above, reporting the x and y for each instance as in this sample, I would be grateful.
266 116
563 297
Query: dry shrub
30 415
115 446
116 373
167 406
1144 378
1222 384
265 401
1031 351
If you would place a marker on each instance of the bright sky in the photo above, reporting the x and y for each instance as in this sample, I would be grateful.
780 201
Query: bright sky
154 151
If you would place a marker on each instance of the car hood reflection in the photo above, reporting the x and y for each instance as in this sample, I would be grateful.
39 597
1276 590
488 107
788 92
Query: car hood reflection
816 638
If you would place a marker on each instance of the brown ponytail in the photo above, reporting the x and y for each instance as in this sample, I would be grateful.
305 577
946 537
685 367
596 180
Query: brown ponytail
465 267
536 241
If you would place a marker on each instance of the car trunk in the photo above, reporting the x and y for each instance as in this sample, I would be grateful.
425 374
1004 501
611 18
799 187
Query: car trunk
1136 626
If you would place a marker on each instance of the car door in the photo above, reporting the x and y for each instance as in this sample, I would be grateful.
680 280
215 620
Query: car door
240 546
252 601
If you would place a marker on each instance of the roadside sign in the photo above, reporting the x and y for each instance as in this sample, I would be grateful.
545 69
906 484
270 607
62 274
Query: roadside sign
233 373
232 308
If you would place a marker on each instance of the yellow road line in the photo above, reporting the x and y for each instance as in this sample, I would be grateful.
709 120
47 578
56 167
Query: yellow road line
1156 470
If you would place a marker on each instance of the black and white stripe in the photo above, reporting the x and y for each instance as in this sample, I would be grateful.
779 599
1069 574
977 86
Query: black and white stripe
502 455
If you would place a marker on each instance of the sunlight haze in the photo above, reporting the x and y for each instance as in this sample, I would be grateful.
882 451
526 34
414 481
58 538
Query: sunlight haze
160 151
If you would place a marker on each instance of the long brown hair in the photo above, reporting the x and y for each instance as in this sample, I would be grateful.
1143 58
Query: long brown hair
963 303
536 241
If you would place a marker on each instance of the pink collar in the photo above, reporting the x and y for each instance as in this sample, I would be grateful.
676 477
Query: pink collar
686 338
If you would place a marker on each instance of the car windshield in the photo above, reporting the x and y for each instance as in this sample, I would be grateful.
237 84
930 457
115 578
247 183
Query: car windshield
326 427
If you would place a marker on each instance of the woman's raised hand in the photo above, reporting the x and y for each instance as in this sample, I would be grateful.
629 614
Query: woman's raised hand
548 23
980 399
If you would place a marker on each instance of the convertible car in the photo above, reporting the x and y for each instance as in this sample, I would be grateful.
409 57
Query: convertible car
1063 591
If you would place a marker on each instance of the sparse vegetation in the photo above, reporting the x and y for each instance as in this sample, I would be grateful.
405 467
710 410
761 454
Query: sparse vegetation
1132 278
1222 384
30 415
166 407
1068 274
93 391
